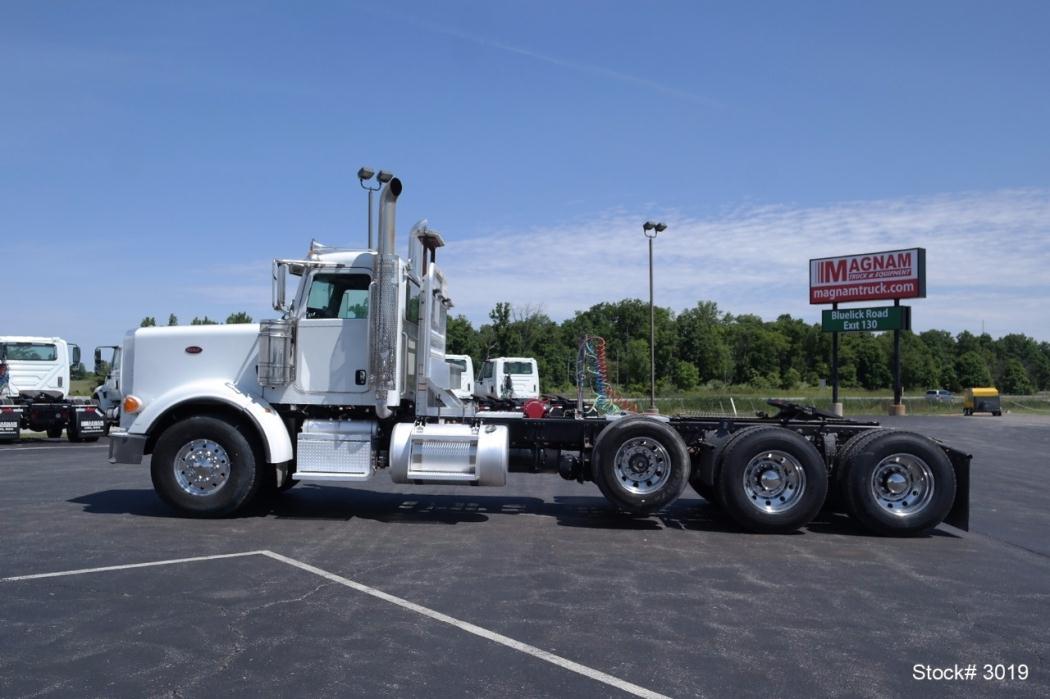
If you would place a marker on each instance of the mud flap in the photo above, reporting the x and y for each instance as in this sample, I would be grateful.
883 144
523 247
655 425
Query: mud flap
10 423
87 421
959 515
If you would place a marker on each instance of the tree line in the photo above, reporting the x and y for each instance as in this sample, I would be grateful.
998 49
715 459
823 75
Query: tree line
232 319
705 346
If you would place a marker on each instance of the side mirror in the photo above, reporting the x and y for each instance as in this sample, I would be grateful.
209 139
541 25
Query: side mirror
75 351
98 360
280 279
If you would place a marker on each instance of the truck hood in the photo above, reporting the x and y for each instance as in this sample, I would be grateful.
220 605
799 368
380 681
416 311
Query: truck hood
159 359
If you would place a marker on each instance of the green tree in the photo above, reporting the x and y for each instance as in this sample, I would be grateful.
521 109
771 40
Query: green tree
496 336
462 338
148 322
172 319
203 321
636 366
756 351
790 379
1015 379
972 370
686 376
238 318
702 343
870 361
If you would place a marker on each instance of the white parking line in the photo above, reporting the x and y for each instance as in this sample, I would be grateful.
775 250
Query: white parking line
84 571
535 652
499 638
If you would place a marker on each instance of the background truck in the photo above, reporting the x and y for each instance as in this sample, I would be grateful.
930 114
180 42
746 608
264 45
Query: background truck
353 379
34 390
508 378
462 378
107 394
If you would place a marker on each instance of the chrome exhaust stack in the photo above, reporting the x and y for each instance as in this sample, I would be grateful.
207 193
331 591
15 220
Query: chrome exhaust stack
383 358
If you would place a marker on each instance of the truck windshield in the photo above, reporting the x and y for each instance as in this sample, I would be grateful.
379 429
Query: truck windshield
28 352
517 368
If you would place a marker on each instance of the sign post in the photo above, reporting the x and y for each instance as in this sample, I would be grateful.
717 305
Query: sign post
890 275
836 405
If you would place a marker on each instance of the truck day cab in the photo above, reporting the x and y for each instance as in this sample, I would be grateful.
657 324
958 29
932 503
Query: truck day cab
353 379
34 390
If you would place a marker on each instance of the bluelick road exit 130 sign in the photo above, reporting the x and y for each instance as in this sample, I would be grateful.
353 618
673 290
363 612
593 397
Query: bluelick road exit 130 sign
878 319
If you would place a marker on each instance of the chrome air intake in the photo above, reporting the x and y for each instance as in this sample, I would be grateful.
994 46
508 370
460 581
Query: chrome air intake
383 358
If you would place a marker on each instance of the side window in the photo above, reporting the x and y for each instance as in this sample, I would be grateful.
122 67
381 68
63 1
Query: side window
412 302
486 371
440 319
343 296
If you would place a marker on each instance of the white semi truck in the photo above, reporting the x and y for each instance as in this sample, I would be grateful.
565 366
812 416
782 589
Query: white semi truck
34 390
462 380
353 379
508 378
107 394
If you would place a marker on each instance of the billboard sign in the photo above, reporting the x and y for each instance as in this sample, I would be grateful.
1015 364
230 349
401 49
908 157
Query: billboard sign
877 319
874 276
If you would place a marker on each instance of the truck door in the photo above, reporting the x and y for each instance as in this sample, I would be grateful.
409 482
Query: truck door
332 342
483 387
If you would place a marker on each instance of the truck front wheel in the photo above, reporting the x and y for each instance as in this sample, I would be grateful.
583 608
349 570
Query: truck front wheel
205 466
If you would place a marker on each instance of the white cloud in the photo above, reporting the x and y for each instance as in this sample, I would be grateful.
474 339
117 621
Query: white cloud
987 259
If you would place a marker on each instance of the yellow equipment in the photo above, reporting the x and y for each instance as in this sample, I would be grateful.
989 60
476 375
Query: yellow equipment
982 400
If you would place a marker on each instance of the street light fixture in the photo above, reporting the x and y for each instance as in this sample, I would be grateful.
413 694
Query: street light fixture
650 229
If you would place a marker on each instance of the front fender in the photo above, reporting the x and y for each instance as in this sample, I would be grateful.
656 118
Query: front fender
277 443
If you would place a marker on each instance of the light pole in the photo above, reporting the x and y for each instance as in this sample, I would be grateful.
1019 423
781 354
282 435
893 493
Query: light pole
650 230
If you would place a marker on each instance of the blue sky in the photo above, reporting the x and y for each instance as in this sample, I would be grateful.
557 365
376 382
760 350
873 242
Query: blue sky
155 156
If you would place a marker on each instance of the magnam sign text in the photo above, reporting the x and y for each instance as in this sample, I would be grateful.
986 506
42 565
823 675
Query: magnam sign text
896 274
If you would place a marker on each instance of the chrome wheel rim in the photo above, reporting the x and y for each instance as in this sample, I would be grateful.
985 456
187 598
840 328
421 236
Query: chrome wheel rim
642 465
774 481
902 484
202 467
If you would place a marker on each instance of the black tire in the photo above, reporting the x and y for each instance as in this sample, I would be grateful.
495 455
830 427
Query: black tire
837 487
893 518
245 477
802 479
660 453
54 432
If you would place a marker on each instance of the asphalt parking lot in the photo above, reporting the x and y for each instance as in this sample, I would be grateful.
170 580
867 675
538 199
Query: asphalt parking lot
537 589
